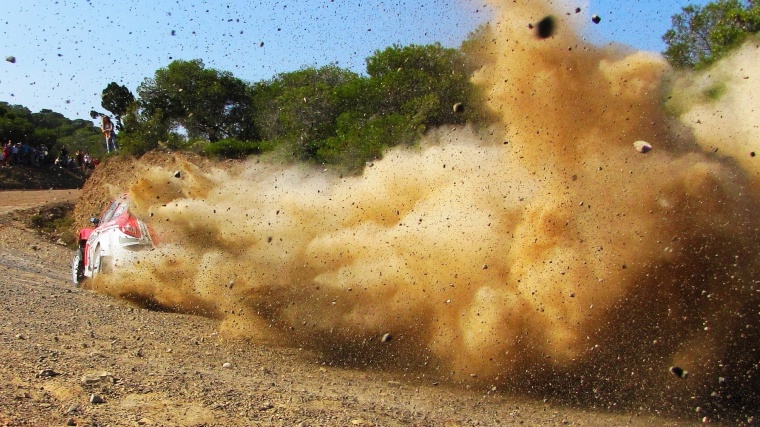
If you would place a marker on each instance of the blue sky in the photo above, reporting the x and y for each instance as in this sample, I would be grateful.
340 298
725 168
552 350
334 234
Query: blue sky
67 51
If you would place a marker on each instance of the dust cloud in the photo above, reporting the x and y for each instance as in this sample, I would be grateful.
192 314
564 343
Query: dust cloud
543 255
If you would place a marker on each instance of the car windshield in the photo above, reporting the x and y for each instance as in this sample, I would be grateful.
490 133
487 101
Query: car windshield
538 200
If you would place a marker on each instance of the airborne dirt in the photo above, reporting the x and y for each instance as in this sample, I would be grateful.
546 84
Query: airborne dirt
63 347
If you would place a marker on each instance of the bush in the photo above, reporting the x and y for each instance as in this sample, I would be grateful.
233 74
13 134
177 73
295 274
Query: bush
360 141
233 149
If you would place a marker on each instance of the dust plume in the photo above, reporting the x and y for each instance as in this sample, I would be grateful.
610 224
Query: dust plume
544 255
720 105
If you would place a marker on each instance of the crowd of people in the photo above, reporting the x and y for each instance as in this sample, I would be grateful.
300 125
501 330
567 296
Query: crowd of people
23 154
81 159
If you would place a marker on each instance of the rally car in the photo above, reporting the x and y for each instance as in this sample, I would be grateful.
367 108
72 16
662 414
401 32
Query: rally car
113 237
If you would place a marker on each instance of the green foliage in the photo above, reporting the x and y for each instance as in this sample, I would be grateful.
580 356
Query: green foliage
360 140
702 35
715 91
143 132
232 149
423 82
54 219
15 128
47 127
302 106
331 116
326 115
205 103
116 99
88 139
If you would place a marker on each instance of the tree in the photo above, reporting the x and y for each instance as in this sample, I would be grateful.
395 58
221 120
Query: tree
144 132
702 35
48 128
116 99
421 82
301 107
206 103
15 129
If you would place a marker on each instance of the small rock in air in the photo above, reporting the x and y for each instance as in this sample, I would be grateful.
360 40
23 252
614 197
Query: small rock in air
679 372
642 146
545 27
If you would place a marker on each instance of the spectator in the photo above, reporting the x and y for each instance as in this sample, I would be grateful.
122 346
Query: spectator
15 154
64 153
43 154
108 131
7 153
25 159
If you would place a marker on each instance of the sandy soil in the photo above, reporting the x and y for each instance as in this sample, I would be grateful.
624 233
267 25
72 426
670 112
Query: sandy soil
69 356
12 200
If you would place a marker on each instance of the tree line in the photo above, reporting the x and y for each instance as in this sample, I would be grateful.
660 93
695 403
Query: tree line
47 128
322 115
701 35
329 115
333 116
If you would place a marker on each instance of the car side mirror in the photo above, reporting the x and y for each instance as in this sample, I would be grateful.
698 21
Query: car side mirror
94 221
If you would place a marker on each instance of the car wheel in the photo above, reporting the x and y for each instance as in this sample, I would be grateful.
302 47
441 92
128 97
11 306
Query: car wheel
77 267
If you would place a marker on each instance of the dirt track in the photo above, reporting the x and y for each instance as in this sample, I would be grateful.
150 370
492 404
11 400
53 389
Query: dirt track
12 200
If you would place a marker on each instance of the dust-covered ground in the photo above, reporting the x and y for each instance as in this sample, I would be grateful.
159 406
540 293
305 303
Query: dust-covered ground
64 349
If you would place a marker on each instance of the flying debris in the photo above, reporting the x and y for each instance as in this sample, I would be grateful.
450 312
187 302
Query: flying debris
458 107
11 59
679 372
545 27
596 19
642 146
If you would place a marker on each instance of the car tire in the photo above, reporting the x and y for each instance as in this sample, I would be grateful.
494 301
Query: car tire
77 267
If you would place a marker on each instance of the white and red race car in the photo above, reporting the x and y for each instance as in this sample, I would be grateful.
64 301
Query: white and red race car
115 235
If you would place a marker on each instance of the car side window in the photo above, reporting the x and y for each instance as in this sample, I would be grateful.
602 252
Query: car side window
120 209
109 213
